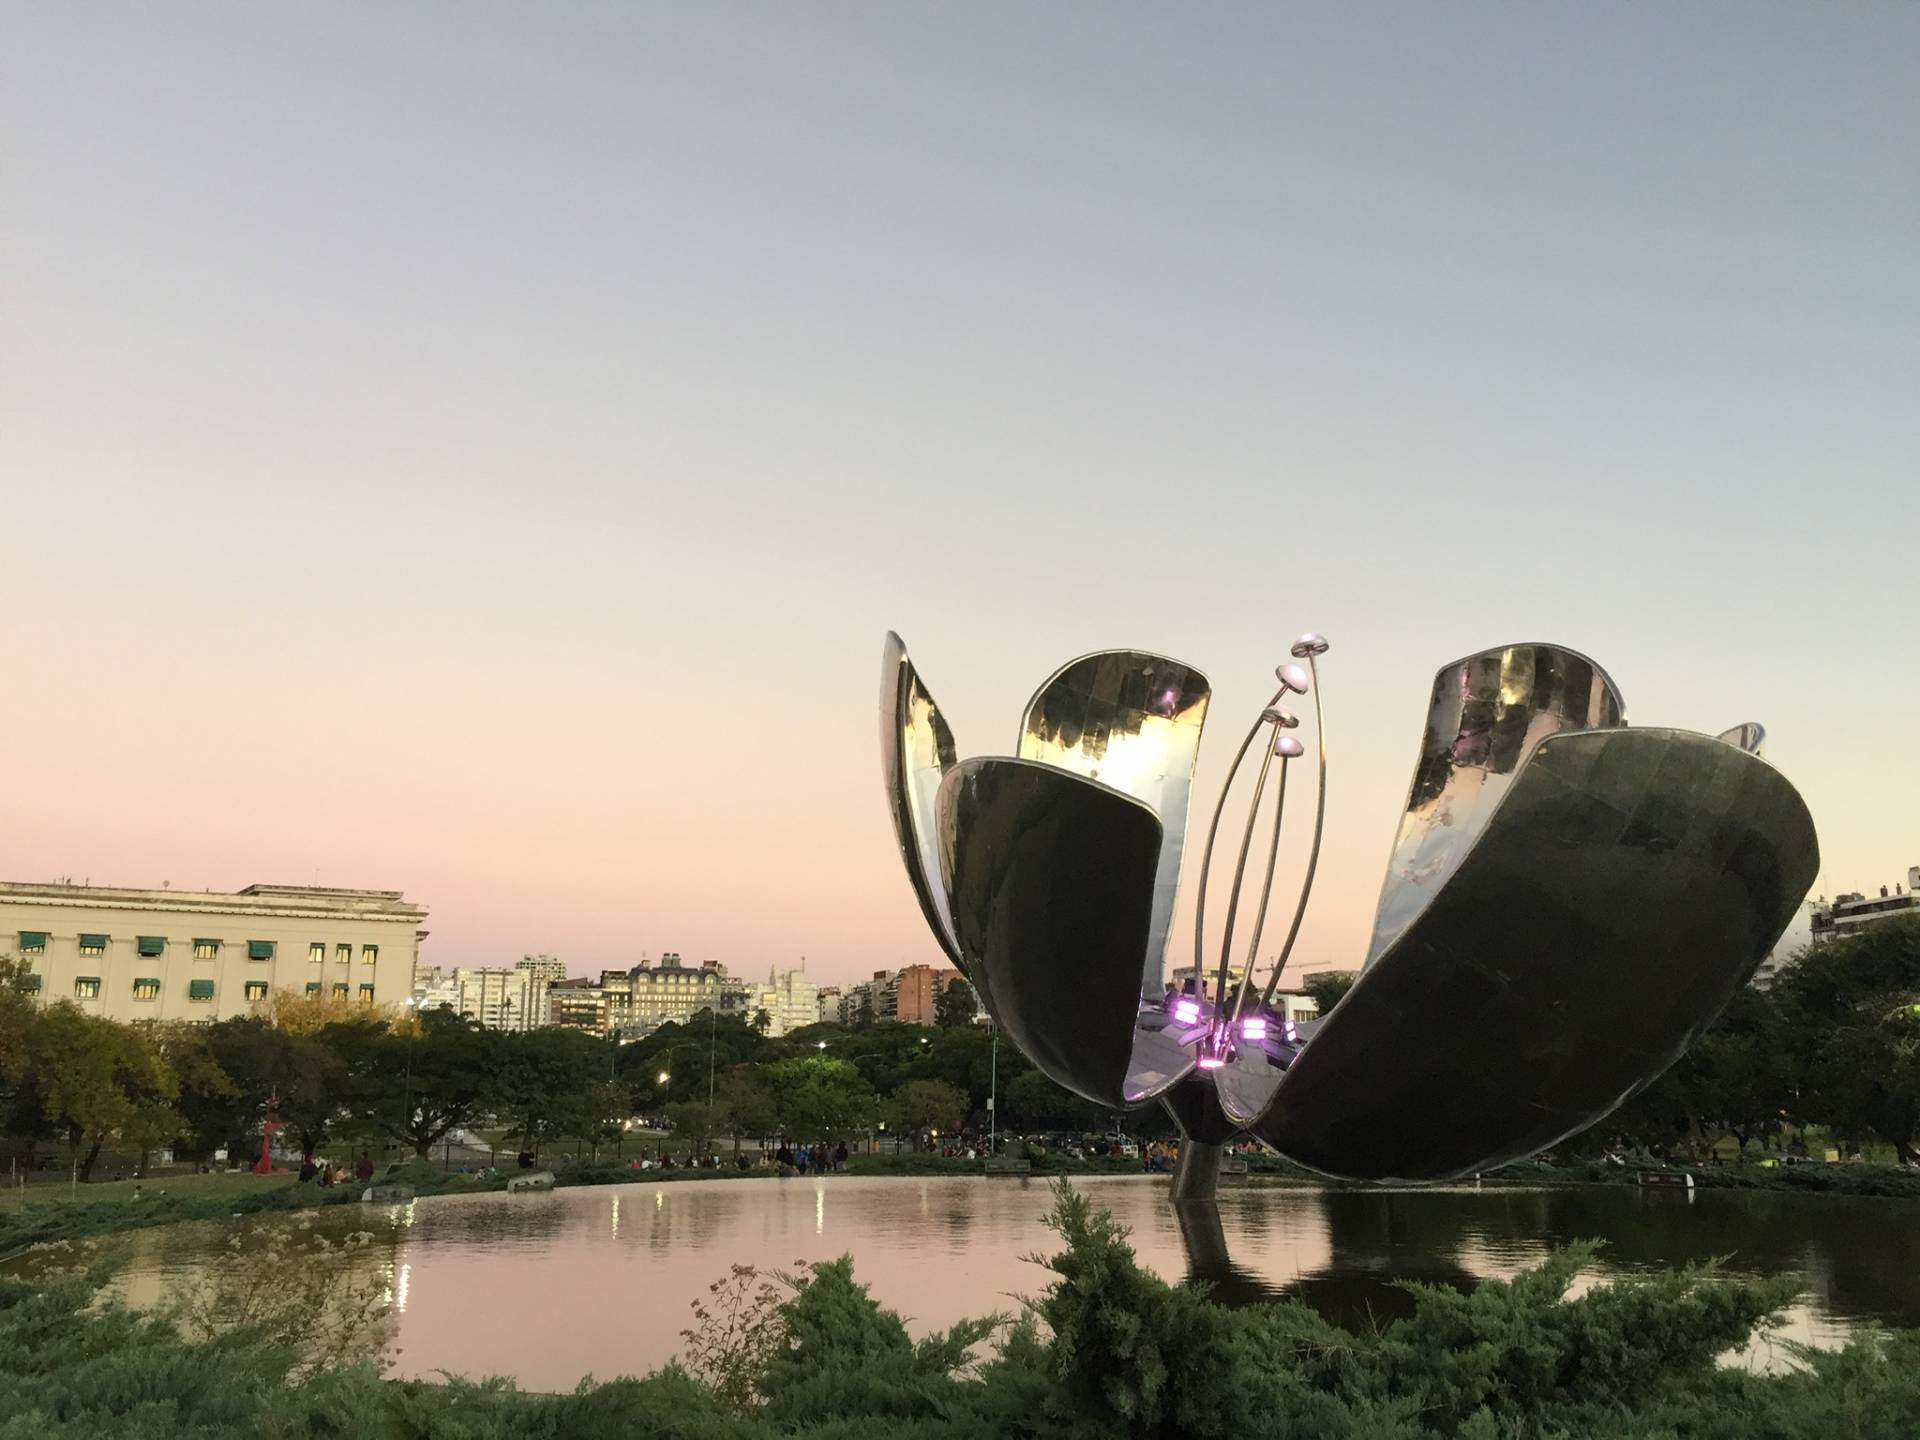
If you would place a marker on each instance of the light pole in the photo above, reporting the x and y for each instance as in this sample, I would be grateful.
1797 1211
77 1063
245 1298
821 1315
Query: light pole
413 1003
993 1092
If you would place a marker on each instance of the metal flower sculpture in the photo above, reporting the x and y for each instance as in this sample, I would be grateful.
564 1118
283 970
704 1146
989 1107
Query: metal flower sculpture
1568 904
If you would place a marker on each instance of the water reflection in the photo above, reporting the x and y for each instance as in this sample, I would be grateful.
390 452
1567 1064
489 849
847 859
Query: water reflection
553 1286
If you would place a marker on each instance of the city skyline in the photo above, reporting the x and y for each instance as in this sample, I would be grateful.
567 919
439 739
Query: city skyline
480 456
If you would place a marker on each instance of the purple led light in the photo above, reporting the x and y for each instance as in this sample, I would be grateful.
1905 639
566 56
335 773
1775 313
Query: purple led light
1211 1062
1254 1027
1186 1011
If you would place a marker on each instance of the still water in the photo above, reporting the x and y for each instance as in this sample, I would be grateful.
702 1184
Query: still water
548 1288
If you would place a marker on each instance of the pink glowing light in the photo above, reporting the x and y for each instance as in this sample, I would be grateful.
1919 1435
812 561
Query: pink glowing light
1211 1062
1187 1012
1254 1027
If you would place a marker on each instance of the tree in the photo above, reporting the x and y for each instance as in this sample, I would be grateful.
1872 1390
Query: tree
95 1079
750 1105
433 1074
1036 1102
956 1006
920 1106
1327 988
762 1022
821 1098
548 1083
1848 1021
694 1123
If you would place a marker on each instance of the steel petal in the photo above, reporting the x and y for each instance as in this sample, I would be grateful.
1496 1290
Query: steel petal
1130 720
1486 714
1751 737
916 751
1626 886
1052 883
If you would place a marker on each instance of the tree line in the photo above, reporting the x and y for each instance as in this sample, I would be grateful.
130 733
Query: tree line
1833 1044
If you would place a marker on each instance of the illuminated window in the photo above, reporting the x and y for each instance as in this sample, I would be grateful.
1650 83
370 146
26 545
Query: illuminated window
369 954
317 952
93 944
343 953
313 987
206 949
366 994
86 987
256 989
340 990
146 989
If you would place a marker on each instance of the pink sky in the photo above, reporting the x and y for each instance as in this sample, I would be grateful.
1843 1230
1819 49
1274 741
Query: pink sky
482 458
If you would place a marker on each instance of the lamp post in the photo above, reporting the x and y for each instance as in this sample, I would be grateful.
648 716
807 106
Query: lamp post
413 1011
993 1091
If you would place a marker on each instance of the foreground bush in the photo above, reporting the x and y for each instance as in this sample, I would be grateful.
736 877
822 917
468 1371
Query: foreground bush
1108 1350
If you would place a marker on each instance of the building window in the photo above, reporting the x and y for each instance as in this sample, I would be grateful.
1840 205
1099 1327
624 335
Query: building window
259 949
340 990
369 954
151 946
201 990
27 984
206 949
33 942
93 944
146 989
343 953
317 952
86 987
313 987
256 989
366 994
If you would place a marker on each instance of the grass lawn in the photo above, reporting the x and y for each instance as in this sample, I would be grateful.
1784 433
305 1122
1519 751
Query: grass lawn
189 1186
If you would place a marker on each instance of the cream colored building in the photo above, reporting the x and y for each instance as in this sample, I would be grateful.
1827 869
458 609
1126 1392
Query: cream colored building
205 955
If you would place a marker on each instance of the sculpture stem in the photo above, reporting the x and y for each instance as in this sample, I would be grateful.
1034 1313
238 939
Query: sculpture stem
1266 895
1313 854
1213 830
1233 895
1196 1174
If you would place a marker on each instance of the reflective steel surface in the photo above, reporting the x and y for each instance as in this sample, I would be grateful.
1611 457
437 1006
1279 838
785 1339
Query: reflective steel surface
1627 883
1130 720
1751 737
1052 883
1486 714
916 751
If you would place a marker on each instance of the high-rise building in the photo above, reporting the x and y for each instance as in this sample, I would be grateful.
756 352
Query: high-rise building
646 997
915 993
549 968
791 999
202 955
829 1005
495 997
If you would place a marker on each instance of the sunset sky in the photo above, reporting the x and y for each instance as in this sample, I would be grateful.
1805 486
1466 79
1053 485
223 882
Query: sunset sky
479 450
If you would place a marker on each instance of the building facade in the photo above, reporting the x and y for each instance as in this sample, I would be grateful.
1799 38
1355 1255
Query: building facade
791 999
1850 914
150 955
495 997
578 1005
916 993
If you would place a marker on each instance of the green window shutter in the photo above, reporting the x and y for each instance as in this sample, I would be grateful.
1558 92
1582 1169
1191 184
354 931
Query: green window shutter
313 987
94 942
200 989
33 939
256 990
30 984
259 949
152 945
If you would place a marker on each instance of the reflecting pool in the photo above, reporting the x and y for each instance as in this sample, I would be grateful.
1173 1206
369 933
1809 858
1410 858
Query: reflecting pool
551 1287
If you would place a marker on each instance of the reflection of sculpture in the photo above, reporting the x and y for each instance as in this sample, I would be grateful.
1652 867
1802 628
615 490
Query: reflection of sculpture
1568 903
